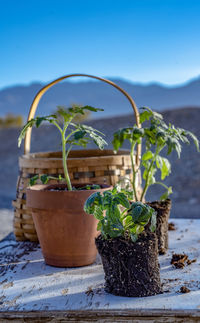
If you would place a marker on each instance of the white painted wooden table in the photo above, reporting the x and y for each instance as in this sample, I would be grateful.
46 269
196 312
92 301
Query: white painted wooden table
31 289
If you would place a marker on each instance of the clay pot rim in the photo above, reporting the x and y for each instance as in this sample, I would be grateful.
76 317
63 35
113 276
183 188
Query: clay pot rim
37 197
47 187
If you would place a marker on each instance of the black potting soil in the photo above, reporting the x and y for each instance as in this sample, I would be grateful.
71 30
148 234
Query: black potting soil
131 268
163 213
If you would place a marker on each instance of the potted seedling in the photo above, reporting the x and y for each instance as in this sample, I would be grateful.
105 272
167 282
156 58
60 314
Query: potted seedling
128 251
158 137
66 234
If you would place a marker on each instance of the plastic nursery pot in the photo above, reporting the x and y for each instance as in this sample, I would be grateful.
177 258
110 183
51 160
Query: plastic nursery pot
163 209
65 232
131 268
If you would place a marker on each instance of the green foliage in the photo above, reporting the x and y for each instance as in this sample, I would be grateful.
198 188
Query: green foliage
71 133
79 118
132 134
140 214
113 222
44 179
90 187
157 135
34 122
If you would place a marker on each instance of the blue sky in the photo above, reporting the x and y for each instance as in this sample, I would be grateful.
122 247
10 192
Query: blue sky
139 40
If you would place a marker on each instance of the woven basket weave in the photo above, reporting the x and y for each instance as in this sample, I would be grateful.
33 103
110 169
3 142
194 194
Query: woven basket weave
85 166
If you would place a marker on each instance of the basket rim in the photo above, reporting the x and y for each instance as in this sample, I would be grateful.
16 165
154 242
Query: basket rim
41 155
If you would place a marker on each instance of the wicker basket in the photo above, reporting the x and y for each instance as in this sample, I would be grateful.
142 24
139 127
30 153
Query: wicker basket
93 166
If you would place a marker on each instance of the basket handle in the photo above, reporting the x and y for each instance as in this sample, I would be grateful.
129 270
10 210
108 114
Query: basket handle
38 96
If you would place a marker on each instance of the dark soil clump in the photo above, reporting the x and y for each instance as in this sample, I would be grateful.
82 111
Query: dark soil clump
189 262
179 260
131 269
184 289
171 226
163 213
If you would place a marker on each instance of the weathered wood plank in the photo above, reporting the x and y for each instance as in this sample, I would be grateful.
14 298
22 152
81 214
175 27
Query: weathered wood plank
29 287
134 316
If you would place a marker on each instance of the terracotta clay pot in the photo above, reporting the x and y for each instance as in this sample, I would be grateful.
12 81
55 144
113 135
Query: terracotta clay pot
65 232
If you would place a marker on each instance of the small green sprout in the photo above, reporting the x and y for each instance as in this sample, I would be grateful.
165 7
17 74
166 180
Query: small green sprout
72 134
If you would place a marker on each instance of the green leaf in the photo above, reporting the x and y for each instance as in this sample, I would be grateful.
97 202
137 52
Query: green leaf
44 178
148 113
120 198
120 136
147 155
98 213
95 135
166 168
92 109
137 133
76 110
33 180
79 135
37 121
164 165
144 116
99 226
166 194
177 148
194 138
24 130
173 144
148 174
141 213
128 221
93 200
66 114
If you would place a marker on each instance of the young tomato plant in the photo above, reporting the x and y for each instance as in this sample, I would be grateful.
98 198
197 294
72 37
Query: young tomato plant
157 136
71 134
115 222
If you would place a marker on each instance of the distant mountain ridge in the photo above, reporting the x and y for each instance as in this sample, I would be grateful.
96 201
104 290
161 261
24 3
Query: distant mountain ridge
17 99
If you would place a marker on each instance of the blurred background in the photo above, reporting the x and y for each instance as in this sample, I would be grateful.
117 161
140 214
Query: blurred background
150 48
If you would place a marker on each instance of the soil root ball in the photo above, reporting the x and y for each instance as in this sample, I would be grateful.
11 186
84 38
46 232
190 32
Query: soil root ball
131 269
163 213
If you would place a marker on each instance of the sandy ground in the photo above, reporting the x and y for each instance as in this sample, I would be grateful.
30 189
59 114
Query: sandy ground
6 220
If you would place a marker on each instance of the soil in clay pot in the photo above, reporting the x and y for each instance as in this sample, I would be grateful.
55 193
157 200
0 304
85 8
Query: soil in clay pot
131 269
163 213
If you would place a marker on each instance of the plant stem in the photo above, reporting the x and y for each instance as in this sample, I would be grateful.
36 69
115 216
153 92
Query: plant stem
147 180
64 155
149 170
159 183
72 133
64 159
134 172
57 125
